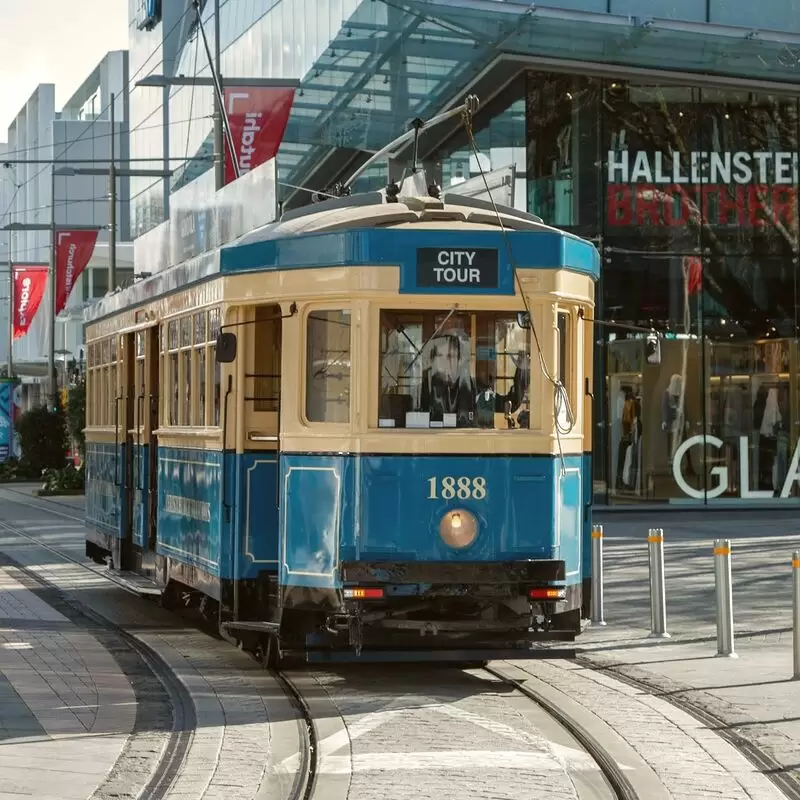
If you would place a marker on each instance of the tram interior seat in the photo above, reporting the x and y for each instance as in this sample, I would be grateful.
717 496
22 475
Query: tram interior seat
395 407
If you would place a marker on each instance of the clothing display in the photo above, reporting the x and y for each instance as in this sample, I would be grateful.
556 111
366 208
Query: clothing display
628 421
770 439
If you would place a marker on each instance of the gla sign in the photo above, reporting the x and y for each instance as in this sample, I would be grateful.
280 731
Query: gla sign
721 473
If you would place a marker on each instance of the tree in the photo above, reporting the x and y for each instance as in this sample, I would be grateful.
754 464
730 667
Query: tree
76 414
42 439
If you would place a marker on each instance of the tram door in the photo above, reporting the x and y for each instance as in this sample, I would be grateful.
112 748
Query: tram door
125 426
151 423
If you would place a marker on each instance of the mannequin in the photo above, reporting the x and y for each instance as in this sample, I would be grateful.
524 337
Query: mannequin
670 401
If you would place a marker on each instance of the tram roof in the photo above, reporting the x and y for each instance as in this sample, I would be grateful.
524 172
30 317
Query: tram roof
364 230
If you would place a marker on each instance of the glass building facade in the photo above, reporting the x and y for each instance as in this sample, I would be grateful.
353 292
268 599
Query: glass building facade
669 139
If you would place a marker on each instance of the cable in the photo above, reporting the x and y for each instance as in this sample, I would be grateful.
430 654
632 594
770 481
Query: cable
129 82
191 99
559 390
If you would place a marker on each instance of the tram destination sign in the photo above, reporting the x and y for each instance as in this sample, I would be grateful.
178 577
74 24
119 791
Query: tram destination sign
457 268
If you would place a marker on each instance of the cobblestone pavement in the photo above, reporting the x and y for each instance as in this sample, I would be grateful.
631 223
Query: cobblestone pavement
389 732
752 696
48 665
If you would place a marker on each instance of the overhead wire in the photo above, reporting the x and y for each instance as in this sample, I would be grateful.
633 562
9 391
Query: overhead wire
560 394
129 83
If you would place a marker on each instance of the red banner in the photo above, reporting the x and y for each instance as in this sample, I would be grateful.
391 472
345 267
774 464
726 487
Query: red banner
29 284
258 116
73 252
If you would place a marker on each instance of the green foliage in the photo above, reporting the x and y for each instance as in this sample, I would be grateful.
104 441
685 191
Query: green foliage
76 414
42 439
67 480
12 470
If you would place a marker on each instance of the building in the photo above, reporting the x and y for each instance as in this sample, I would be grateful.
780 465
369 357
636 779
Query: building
665 131
76 138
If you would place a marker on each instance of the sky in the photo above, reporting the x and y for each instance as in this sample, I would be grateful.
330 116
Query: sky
52 41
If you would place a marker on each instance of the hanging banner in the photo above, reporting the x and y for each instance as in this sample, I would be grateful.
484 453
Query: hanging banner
73 252
29 285
258 116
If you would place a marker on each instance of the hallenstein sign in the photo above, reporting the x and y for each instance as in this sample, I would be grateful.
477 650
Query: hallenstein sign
725 188
719 482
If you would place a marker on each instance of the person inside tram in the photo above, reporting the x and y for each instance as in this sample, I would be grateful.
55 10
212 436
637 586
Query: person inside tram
517 406
447 386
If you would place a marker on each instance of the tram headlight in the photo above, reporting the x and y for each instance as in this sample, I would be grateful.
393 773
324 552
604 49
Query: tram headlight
458 529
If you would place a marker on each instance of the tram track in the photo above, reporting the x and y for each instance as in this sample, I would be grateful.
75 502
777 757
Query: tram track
160 696
618 782
183 714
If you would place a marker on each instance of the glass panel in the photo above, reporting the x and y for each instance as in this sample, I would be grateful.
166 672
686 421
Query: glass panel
446 370
175 393
104 352
212 354
186 415
564 153
214 323
267 357
173 335
140 344
201 374
328 367
199 328
186 331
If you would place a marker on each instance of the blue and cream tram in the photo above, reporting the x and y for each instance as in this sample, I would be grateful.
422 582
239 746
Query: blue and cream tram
364 429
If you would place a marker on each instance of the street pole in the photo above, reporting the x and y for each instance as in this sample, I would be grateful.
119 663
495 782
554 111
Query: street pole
219 149
112 211
10 305
51 350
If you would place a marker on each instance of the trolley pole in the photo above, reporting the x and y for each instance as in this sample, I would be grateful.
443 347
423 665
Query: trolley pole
796 614
658 601
724 590
597 575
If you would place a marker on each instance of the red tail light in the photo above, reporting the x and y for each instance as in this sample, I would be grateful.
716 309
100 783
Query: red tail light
547 594
358 593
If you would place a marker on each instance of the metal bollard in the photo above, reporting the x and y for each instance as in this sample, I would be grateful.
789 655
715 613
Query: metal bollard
796 613
597 575
722 579
658 601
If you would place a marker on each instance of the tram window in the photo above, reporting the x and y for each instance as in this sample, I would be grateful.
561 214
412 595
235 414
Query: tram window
212 355
201 395
267 359
328 366
563 352
441 369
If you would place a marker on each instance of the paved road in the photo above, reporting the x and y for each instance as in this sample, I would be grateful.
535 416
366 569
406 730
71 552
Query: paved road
395 733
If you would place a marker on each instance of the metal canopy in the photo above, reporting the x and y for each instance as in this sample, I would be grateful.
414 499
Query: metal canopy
394 60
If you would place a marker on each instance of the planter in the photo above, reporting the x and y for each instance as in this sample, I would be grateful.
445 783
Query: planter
60 492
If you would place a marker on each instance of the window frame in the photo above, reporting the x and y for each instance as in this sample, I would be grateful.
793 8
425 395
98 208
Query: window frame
304 344
386 306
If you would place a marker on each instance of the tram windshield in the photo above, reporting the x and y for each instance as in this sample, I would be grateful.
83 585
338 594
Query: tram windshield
453 369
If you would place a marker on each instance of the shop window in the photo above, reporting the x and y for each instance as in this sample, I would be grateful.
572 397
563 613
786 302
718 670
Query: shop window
328 366
441 369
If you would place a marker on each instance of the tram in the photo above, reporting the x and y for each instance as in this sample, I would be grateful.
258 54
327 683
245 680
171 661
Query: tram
365 433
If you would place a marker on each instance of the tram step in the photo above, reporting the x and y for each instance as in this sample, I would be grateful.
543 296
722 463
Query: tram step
133 582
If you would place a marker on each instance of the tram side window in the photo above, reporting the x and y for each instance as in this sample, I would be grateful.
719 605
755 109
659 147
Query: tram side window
214 327
565 362
174 375
447 369
328 366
